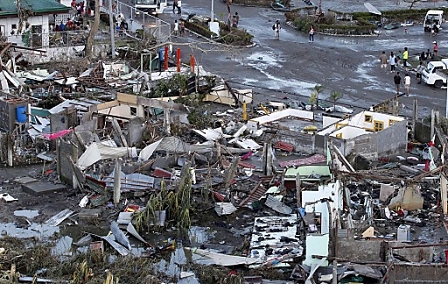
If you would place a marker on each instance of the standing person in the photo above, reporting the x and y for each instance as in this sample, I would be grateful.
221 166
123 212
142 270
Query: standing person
182 28
311 34
405 58
176 27
420 69
407 83
176 5
397 81
436 48
383 60
161 58
276 27
392 61
237 19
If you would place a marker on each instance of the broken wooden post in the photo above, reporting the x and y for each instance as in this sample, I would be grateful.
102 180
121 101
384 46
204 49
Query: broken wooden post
335 271
10 150
74 160
117 128
269 159
444 193
117 182
414 117
218 150
231 171
298 191
167 120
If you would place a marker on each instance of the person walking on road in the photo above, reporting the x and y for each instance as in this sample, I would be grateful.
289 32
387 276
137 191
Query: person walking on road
182 28
407 84
392 61
436 48
176 5
420 69
405 58
176 27
276 27
311 37
397 81
383 60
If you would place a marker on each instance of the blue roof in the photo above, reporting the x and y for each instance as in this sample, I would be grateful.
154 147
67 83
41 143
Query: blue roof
9 7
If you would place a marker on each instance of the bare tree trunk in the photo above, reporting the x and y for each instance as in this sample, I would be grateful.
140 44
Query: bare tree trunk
93 30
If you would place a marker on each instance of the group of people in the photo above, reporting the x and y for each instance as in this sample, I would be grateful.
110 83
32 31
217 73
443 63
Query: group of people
179 29
71 25
277 27
394 59
406 82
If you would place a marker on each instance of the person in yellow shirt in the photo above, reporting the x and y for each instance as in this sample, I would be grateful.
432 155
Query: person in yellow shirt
405 57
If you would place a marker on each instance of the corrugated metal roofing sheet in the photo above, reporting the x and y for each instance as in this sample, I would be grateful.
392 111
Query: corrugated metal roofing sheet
8 7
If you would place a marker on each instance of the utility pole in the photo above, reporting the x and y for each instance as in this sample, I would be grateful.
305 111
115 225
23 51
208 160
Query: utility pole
212 16
111 26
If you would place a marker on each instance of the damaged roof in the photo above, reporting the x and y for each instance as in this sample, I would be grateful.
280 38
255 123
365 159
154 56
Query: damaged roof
8 7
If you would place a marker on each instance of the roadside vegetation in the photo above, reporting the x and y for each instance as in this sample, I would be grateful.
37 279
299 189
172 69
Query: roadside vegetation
358 23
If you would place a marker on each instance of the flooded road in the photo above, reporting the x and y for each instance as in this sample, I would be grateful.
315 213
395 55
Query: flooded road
292 66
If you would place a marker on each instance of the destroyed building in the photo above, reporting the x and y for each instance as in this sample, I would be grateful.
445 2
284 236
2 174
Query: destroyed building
259 198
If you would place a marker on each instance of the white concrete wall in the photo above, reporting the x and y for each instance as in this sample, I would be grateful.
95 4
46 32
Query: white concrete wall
62 54
7 27
332 191
255 123
358 119
316 245
329 120
349 132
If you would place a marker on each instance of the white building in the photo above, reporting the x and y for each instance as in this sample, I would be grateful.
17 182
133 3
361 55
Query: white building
35 29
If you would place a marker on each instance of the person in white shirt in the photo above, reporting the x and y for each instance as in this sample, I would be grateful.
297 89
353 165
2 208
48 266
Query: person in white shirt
407 83
176 27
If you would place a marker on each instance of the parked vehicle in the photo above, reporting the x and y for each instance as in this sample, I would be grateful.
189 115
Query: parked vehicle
433 18
392 26
407 23
436 73
153 7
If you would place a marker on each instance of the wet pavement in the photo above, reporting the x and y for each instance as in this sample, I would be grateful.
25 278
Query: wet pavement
291 67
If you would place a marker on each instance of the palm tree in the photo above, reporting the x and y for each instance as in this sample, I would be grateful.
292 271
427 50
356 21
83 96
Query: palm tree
335 96
314 98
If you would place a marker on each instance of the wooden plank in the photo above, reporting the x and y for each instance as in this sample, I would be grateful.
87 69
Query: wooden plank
117 128
126 98
105 105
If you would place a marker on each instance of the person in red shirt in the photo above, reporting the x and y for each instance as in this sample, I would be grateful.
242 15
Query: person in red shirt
436 48
73 4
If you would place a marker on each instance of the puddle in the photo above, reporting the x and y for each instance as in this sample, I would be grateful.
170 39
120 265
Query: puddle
62 247
30 214
200 235
34 230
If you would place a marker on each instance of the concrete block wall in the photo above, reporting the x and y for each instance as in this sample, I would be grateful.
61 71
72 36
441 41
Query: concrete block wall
302 142
418 273
393 140
363 250
64 151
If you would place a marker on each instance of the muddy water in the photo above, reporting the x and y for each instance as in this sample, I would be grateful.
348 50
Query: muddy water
30 214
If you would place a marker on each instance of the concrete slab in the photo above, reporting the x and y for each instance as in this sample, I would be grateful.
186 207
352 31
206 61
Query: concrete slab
41 187
23 180
89 213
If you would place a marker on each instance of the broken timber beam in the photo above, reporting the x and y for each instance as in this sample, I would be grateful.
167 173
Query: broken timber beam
117 128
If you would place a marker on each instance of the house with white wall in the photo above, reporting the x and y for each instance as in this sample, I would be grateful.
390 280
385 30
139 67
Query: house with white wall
40 13
370 134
